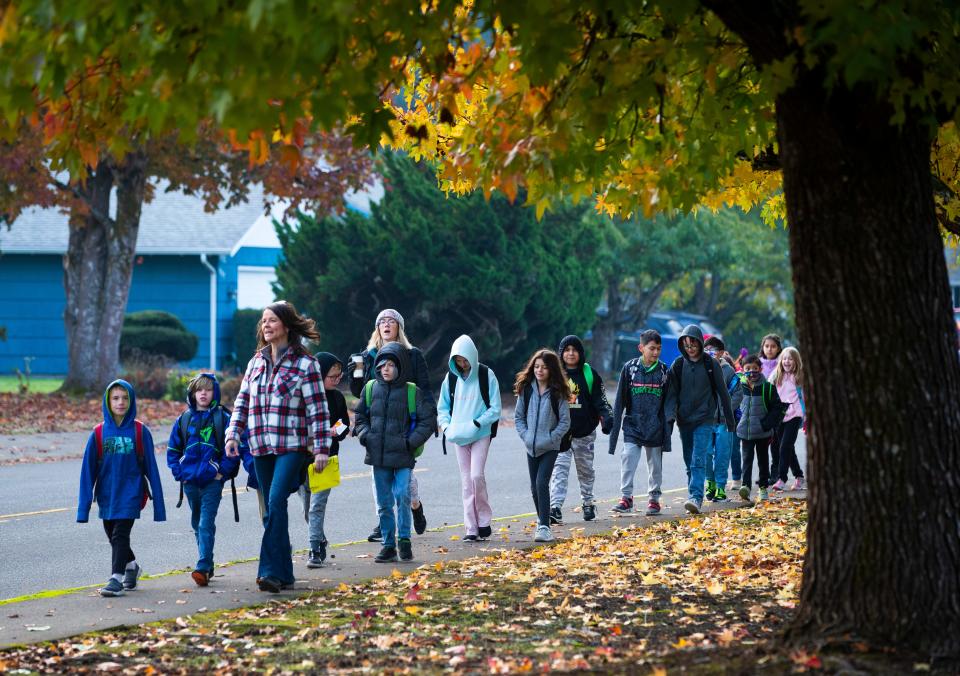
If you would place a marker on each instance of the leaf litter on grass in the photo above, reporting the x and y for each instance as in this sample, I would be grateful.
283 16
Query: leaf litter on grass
712 590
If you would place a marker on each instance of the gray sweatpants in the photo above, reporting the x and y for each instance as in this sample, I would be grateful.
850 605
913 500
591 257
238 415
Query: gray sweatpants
314 511
581 452
630 460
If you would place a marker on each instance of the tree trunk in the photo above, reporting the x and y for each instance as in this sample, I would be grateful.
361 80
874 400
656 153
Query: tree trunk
98 268
882 376
605 330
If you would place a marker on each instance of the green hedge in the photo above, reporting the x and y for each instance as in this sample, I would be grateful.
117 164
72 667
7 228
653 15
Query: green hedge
245 335
154 332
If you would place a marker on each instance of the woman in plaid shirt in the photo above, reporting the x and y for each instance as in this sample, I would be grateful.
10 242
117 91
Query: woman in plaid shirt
283 408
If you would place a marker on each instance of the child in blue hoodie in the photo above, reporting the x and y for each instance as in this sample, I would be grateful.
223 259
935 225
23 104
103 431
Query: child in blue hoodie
468 414
119 470
196 456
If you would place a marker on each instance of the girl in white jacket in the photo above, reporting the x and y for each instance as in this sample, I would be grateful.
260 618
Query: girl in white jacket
468 412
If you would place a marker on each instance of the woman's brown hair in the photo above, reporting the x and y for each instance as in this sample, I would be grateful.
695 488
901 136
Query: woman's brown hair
555 378
298 327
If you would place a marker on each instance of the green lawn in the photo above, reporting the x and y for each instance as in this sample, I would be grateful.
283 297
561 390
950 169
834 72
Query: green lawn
41 384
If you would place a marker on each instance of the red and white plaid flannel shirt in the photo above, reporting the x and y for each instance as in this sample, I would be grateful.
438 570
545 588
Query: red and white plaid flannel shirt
284 410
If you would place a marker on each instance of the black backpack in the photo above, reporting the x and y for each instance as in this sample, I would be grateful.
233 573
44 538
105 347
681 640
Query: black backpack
183 425
567 439
483 374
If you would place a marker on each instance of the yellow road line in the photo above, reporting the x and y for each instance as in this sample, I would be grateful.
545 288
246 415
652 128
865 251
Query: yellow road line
43 511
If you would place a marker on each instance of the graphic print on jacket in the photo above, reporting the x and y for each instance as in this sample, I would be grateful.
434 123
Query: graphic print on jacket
588 401
195 455
640 401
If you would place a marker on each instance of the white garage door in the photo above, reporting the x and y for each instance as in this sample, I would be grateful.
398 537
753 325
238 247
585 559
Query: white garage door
254 286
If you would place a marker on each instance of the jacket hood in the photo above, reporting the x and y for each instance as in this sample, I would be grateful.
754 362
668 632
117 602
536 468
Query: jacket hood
578 344
131 411
327 361
464 347
192 401
691 331
396 353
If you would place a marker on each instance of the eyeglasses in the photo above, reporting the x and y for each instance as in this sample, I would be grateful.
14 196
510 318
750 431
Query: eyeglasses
336 378
386 320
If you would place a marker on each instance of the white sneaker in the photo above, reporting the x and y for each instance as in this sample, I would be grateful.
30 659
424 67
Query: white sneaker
544 534
735 486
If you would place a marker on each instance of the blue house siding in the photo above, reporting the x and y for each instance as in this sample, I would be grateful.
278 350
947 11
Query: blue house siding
31 309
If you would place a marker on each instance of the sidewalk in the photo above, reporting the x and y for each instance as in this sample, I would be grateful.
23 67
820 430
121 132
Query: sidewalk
173 595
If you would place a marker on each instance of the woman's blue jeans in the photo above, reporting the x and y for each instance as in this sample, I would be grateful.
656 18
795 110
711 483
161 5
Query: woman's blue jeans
279 476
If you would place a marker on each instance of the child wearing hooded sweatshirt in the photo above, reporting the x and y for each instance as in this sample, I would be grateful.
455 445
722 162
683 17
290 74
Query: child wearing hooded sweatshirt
197 459
718 459
588 407
639 400
469 408
394 419
760 412
696 389
542 419
119 470
315 504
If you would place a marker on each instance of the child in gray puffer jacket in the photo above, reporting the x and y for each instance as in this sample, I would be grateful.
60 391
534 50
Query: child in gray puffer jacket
394 421
760 412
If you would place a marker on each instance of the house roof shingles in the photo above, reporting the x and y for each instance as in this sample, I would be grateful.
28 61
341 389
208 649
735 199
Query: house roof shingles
173 223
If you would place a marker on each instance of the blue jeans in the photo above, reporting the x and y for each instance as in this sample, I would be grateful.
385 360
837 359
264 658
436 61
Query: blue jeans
697 442
279 476
393 489
204 503
736 471
718 458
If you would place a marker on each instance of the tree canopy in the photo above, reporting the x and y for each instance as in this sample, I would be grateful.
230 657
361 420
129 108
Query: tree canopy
451 266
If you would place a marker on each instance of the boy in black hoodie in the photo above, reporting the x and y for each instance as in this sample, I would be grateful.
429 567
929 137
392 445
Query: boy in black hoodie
315 504
588 406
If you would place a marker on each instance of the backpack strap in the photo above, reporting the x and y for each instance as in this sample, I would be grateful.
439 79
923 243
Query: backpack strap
183 426
766 395
451 389
412 398
368 394
588 376
98 436
236 508
483 374
138 448
219 427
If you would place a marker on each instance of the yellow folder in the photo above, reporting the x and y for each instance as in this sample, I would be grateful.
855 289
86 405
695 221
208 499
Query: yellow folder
328 478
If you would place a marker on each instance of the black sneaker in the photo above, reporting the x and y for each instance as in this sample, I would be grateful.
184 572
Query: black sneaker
386 555
130 577
419 520
589 512
270 584
375 536
470 538
406 550
556 516
112 588
316 556
485 532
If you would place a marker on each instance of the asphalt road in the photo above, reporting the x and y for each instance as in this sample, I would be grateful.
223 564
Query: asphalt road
42 547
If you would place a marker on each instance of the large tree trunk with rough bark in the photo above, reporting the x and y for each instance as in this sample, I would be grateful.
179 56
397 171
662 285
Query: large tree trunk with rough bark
883 379
98 268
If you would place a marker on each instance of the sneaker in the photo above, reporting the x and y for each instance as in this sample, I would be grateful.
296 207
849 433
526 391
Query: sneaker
485 532
777 486
544 534
797 484
112 588
556 516
764 495
270 584
589 512
375 535
653 508
470 538
317 556
419 520
735 484
720 495
201 577
130 577
406 550
386 555
744 492
693 506
711 492
625 506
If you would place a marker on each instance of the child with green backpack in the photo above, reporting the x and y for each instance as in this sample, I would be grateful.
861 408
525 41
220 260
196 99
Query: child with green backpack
760 413
588 408
394 420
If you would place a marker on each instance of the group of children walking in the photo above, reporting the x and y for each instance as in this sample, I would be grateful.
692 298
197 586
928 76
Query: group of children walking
729 415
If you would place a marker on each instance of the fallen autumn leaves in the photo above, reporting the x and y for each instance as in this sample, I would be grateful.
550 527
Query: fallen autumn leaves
43 413
694 594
